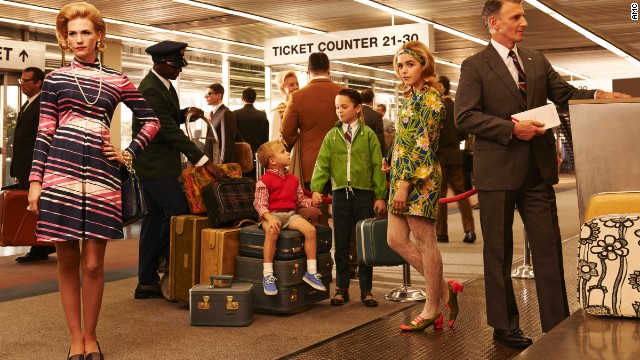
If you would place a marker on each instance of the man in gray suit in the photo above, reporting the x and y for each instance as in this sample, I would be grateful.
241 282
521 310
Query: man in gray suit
372 118
515 165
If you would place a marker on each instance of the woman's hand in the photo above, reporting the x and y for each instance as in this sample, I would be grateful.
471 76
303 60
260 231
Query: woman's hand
400 197
35 189
379 208
385 167
112 153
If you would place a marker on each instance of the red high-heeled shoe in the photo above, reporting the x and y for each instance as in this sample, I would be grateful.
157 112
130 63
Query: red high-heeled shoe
454 288
422 323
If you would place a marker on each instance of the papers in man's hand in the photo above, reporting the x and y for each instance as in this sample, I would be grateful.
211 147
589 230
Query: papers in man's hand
546 114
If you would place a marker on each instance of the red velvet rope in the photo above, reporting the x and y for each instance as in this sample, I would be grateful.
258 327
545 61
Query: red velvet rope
327 199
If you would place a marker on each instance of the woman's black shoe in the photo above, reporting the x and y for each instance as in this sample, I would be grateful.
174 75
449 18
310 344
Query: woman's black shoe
95 355
75 357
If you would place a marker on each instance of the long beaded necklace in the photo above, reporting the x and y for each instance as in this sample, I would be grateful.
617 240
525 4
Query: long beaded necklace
80 87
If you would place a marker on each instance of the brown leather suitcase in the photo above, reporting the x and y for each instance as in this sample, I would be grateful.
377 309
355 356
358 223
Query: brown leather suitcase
17 224
184 258
218 251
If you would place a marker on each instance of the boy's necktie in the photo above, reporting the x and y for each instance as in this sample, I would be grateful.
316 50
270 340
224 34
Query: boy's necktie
347 134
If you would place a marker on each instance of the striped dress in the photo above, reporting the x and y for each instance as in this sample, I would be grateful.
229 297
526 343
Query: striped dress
80 188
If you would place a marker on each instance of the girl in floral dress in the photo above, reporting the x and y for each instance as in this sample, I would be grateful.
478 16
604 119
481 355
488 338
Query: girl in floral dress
415 181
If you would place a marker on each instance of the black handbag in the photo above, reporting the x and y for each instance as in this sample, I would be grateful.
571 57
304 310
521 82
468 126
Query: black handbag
133 206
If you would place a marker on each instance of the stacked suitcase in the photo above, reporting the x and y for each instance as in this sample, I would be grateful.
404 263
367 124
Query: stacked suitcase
289 265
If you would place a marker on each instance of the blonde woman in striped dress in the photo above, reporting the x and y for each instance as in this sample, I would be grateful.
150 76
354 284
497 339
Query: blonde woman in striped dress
74 180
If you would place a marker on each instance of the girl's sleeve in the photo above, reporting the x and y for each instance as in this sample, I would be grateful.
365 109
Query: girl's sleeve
322 168
142 112
47 126
423 138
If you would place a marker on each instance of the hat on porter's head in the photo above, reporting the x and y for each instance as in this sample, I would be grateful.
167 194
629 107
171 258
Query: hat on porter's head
169 52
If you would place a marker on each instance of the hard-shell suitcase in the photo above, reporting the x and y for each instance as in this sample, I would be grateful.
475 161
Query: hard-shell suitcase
17 224
231 305
184 258
289 245
290 299
288 272
605 203
219 248
609 265
229 200
371 242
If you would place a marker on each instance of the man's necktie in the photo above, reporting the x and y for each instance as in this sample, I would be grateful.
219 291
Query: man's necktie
348 134
522 84
174 93
22 108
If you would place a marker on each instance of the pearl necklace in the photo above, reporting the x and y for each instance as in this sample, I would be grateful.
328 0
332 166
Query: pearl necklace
80 87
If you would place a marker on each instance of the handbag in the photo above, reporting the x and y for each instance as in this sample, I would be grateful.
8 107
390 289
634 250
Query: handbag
243 154
133 206
17 224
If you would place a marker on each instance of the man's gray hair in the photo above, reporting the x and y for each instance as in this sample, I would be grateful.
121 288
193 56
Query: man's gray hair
492 8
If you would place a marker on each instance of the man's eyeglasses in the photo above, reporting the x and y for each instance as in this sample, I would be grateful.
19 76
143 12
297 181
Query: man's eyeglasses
20 81
207 94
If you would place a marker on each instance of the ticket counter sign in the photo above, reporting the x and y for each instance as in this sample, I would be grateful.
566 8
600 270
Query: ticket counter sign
346 44
17 55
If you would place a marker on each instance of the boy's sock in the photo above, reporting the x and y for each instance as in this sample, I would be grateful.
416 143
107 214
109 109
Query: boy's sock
312 266
267 269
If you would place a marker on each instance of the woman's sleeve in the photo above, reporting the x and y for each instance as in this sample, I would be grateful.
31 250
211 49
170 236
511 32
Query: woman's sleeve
142 112
47 126
421 139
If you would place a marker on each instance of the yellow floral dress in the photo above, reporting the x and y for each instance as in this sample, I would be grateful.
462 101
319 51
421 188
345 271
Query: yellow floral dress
414 160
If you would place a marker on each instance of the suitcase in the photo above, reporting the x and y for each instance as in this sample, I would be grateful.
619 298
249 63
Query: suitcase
17 224
609 265
218 251
288 272
184 258
371 243
211 305
195 178
290 299
229 200
605 203
289 245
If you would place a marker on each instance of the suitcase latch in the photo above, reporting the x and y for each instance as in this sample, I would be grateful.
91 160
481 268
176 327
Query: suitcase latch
204 305
294 271
294 295
231 305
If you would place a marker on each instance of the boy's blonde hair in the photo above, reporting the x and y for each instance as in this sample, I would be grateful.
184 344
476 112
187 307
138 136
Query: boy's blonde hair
266 151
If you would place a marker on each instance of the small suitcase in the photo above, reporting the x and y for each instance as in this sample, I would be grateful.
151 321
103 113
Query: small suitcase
371 243
290 299
211 305
289 245
608 270
288 272
195 178
184 258
17 224
219 248
605 203
229 200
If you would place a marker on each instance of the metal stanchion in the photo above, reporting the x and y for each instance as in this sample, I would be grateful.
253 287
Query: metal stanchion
406 293
524 271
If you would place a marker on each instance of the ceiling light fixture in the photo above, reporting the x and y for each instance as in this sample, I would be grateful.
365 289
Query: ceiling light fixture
584 32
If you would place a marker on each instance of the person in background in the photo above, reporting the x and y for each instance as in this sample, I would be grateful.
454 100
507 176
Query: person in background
350 155
252 125
278 194
372 118
159 166
24 141
287 82
311 114
75 173
451 160
220 144
415 182
515 165
388 125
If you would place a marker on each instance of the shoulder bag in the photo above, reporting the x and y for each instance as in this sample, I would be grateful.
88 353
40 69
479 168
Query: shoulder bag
133 206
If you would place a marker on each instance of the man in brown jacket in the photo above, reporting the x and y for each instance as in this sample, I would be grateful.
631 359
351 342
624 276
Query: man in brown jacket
311 111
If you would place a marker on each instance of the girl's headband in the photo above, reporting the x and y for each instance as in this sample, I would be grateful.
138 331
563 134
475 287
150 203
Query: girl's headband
412 53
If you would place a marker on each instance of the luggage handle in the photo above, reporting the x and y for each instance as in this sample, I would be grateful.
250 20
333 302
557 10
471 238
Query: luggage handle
212 278
244 222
